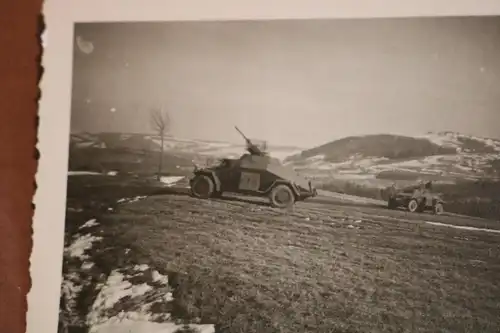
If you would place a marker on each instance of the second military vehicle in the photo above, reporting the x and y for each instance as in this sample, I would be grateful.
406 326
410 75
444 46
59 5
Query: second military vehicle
416 198
255 174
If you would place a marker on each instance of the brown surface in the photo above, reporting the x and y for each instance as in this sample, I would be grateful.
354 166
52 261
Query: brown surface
19 49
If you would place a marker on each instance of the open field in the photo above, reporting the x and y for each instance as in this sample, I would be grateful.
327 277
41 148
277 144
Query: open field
325 266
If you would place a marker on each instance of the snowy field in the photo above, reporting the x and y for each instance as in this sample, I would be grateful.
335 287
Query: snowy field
125 302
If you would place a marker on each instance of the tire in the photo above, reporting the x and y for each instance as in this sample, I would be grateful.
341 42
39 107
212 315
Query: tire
413 206
282 196
202 187
391 204
421 208
438 209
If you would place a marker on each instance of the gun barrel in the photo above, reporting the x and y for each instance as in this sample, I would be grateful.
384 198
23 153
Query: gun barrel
243 135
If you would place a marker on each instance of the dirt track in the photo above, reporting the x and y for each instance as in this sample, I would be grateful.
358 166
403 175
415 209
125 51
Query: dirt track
324 266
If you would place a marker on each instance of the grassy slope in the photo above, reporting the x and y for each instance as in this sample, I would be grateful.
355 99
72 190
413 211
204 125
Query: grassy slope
252 268
256 269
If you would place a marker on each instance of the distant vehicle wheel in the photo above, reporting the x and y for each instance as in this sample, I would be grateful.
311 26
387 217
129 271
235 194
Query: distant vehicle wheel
282 196
391 203
202 187
413 206
438 209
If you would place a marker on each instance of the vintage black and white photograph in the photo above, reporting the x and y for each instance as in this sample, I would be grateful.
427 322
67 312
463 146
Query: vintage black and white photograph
289 175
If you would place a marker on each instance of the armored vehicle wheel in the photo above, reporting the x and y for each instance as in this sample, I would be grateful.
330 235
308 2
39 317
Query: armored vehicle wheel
391 204
413 206
438 209
282 196
202 187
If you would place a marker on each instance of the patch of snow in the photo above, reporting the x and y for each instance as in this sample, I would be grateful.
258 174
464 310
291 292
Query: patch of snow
115 289
87 265
72 284
89 144
157 277
353 176
452 140
315 158
217 145
409 163
139 317
464 168
169 297
112 173
71 287
83 173
89 223
131 200
80 245
463 227
136 198
143 326
141 268
443 139
170 180
495 144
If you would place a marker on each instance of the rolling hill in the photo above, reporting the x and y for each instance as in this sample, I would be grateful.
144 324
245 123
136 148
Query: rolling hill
443 156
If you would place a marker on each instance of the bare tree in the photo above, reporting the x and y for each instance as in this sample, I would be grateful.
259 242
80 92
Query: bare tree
160 121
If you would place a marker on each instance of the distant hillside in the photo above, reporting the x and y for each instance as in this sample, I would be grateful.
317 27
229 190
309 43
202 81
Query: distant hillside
139 153
383 145
445 156
147 142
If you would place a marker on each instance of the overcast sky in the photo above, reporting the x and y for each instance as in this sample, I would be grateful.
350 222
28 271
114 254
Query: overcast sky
300 82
